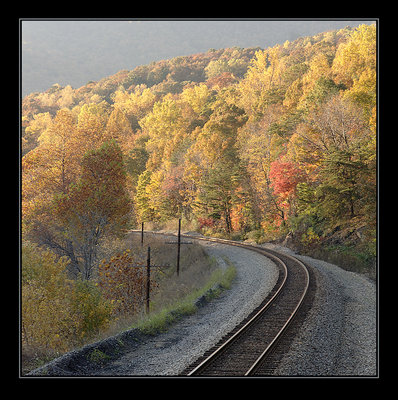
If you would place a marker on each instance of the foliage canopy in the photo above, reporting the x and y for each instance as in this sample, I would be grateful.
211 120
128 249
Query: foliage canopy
244 143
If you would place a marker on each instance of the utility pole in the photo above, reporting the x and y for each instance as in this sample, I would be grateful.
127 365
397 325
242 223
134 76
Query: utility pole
178 246
148 276
142 233
179 243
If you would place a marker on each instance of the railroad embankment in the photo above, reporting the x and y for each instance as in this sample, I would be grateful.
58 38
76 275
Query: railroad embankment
338 337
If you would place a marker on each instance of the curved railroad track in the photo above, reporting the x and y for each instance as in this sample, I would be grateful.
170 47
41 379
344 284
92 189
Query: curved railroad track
257 343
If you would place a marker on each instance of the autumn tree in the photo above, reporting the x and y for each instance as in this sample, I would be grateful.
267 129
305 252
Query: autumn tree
45 293
143 197
217 161
48 169
122 281
136 158
319 71
96 205
284 176
61 144
355 66
57 313
259 143
262 83
199 98
174 193
91 127
165 128
217 195
236 67
33 130
338 136
118 128
134 105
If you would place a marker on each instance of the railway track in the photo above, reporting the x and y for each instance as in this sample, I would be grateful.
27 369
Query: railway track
254 347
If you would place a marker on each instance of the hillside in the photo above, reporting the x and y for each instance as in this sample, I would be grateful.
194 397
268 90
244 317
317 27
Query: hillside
285 86
165 76
275 144
74 52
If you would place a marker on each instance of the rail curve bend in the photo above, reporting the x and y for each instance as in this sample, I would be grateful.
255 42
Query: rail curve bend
246 349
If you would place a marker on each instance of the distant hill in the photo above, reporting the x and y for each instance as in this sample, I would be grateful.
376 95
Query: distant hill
76 52
215 67
265 145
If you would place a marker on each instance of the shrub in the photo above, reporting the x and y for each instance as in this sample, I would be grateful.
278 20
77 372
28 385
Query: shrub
57 313
123 284
205 222
46 319
91 310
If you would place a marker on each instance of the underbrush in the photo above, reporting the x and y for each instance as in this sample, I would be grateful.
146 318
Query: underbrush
349 258
359 257
171 296
159 321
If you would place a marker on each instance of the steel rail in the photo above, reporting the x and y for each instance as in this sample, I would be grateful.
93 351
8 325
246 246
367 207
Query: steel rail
248 323
263 309
240 332
259 360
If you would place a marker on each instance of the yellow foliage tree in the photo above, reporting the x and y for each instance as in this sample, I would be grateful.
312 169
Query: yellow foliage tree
318 68
136 104
199 98
51 167
57 313
118 128
355 66
166 128
46 322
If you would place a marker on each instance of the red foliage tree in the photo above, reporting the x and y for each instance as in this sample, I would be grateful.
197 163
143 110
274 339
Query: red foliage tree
284 176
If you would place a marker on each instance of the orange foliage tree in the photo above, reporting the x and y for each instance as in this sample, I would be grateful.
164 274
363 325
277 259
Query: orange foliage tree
96 205
124 284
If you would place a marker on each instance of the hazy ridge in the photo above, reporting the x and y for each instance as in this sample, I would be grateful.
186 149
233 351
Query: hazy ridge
75 52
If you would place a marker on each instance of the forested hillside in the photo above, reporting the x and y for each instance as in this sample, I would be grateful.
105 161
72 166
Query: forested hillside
73 52
242 143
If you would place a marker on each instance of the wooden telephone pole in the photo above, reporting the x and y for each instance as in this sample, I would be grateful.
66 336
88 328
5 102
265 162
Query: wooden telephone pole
142 233
178 243
148 276
148 279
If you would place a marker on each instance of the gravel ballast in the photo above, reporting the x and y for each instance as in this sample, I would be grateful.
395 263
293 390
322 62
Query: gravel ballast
169 353
338 337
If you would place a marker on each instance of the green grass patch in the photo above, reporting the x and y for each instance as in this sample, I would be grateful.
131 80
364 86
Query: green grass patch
347 257
160 321
98 357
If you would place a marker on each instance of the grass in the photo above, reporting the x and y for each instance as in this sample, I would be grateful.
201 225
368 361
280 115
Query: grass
174 297
98 357
160 321
346 257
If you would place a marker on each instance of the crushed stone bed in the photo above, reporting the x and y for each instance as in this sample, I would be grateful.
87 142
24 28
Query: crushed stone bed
338 337
171 352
